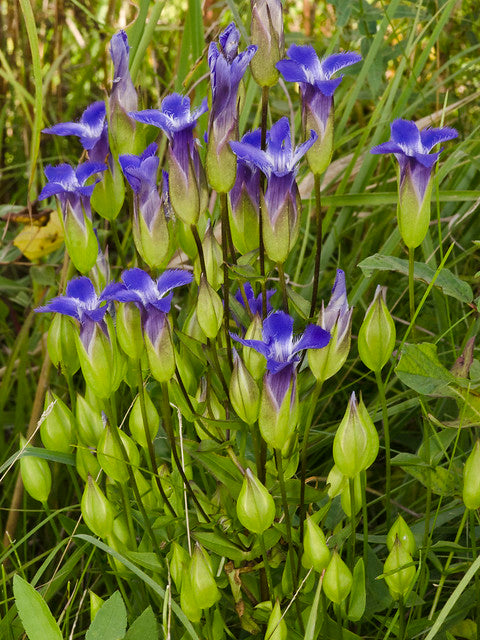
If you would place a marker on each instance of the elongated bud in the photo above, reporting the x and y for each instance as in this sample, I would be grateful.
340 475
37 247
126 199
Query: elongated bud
89 422
413 212
204 587
147 495
220 162
325 363
154 241
108 195
316 554
376 338
212 252
357 497
188 603
397 574
136 423
471 478
58 428
244 393
402 531
164 476
267 33
111 458
179 564
86 463
277 423
355 445
244 220
214 409
277 627
255 506
80 241
96 509
129 330
186 191
61 344
160 352
36 475
336 482
280 236
254 361
337 580
209 309
99 359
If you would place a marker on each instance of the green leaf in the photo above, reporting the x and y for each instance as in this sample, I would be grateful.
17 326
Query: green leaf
420 369
145 627
145 559
441 481
358 596
220 545
449 283
316 613
110 623
38 622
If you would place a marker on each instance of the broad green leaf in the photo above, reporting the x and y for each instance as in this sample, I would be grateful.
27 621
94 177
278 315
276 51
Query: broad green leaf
220 545
145 627
420 369
441 481
357 602
37 620
110 623
449 283
145 559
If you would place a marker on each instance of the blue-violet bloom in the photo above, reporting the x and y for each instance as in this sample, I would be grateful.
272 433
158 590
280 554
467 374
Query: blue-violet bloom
411 148
254 302
227 68
317 88
91 129
123 91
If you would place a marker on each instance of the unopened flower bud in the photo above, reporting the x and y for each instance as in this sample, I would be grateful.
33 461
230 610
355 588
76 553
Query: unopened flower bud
147 495
109 193
204 587
214 410
277 627
402 531
267 34
355 445
110 455
136 422
129 330
255 362
337 580
471 478
277 423
280 235
244 393
179 563
209 309
160 352
188 603
212 252
376 338
399 571
36 475
58 428
345 499
61 344
80 240
316 554
336 482
86 463
96 509
89 422
255 505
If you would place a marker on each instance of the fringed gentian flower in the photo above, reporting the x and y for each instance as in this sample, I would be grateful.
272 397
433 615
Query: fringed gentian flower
91 129
227 68
254 302
267 33
96 346
153 303
187 184
412 150
69 186
336 318
150 230
281 203
317 88
279 401
245 199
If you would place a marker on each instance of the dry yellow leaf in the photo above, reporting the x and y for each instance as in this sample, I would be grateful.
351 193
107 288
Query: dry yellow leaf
35 242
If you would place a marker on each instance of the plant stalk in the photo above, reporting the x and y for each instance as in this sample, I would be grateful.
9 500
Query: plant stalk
319 240
386 435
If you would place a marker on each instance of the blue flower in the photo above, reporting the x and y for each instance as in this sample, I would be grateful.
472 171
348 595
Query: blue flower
68 184
227 68
123 91
411 148
282 350
141 174
254 302
317 88
91 129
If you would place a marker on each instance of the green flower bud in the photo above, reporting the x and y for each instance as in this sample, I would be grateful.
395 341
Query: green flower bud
161 355
320 153
413 215
36 476
471 478
255 506
397 574
376 338
214 410
402 531
212 252
280 237
108 194
125 136
57 430
204 587
97 511
277 424
244 393
188 603
86 463
61 344
147 495
254 361
179 563
89 423
357 497
111 458
153 244
221 167
188 194
355 445
316 554
164 476
209 309
135 421
277 627
80 241
267 34
121 535
337 580
129 330
244 223
336 482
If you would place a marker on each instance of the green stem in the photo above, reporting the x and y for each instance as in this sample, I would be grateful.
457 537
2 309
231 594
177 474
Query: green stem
351 488
128 510
477 579
319 240
226 279
338 616
283 286
265 92
386 435
151 452
281 480
52 521
363 480
266 566
198 242
411 291
401 619
303 472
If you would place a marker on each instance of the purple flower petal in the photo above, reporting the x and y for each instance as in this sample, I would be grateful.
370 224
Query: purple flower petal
307 57
66 129
431 137
314 337
82 288
88 169
278 328
406 134
258 345
251 154
171 279
337 61
386 147
292 71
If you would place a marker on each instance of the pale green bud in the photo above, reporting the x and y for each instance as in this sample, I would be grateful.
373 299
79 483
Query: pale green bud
267 34
316 554
212 252
413 214
244 393
337 580
97 511
108 194
36 475
80 241
376 338
336 482
129 329
203 583
255 505
277 423
221 166
402 531
280 237
61 343
89 422
110 455
161 354
254 361
357 497
179 563
397 574
57 430
276 627
188 603
136 423
209 309
471 478
86 463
